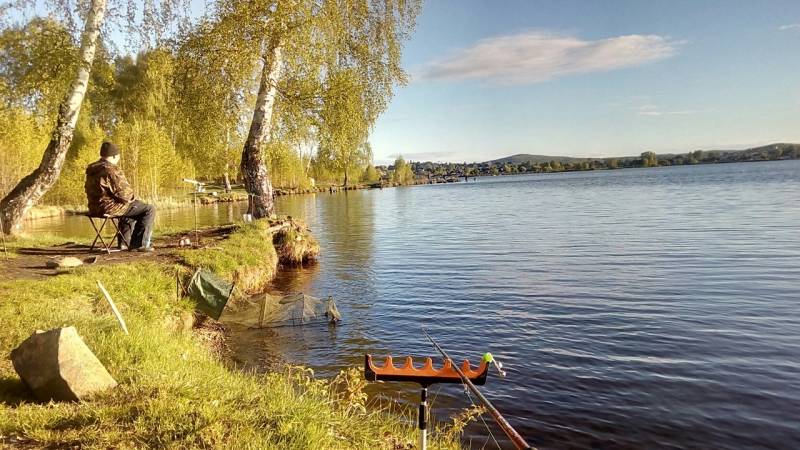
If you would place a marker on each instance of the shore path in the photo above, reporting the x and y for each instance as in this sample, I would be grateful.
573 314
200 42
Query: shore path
31 262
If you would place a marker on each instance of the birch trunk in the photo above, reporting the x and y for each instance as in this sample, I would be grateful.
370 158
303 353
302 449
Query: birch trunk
30 189
227 164
228 188
253 166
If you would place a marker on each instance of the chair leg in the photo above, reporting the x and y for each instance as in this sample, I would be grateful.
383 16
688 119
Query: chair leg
96 235
118 234
100 235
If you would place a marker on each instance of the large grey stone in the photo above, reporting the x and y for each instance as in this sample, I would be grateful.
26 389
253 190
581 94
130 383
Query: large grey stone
57 365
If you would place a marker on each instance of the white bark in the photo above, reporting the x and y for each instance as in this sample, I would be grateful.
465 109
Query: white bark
33 187
261 126
91 31
254 168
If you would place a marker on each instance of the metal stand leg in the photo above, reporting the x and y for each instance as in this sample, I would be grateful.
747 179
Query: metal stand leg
99 235
423 419
196 234
118 234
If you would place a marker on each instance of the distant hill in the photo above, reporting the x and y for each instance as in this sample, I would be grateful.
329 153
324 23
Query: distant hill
539 159
535 159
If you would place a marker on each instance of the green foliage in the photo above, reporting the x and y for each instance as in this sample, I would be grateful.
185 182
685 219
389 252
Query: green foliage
39 62
21 144
213 94
649 159
184 110
402 172
148 158
343 145
370 174
143 88
341 62
528 163
287 166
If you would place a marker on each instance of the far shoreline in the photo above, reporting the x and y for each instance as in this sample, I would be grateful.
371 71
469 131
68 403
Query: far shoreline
168 203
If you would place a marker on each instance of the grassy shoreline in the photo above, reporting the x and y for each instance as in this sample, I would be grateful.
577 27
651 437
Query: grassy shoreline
174 391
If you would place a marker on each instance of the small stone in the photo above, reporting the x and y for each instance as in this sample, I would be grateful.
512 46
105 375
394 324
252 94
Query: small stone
184 322
57 365
67 262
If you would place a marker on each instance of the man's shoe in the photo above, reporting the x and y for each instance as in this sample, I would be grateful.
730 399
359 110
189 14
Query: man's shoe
145 249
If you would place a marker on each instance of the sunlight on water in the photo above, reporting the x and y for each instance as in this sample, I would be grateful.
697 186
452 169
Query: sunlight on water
644 309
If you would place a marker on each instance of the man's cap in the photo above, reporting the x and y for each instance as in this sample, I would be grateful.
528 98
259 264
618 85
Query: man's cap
108 149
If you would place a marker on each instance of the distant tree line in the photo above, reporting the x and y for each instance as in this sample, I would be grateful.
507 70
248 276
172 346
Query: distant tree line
448 171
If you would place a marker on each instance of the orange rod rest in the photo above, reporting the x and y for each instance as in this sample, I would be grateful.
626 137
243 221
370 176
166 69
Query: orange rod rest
425 375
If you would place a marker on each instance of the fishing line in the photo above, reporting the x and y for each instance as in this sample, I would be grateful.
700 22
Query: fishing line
491 436
512 434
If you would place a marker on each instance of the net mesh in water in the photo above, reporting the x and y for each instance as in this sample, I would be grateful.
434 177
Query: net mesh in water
297 309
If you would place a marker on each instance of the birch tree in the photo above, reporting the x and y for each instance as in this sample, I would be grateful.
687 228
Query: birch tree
31 188
343 142
213 79
303 45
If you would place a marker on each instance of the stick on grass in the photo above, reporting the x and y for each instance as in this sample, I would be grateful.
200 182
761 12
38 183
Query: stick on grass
113 307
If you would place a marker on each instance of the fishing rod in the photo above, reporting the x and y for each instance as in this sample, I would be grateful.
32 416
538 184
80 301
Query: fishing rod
512 434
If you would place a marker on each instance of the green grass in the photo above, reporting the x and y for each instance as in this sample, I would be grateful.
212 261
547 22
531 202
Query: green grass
173 393
246 257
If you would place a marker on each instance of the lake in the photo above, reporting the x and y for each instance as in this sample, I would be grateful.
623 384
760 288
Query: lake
632 309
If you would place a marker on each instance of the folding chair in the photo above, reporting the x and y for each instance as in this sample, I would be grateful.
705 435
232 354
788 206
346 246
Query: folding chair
99 232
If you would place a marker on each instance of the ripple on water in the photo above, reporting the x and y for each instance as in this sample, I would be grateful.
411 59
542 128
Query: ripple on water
633 309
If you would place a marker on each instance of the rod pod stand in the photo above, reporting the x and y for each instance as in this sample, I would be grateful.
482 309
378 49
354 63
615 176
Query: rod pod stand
423 418
425 376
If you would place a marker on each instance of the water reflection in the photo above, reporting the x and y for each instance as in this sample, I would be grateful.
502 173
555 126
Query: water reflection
77 227
646 309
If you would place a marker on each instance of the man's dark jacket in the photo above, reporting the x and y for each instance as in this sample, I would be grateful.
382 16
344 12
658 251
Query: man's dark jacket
107 190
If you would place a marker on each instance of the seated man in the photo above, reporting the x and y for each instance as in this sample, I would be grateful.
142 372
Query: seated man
108 192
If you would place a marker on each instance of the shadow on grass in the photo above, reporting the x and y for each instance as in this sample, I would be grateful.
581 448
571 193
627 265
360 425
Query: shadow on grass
13 392
56 251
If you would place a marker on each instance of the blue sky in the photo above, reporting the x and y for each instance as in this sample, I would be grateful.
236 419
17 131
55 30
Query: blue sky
594 78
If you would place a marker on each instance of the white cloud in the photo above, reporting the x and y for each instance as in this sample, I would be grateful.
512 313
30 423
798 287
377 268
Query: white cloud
538 56
653 110
791 26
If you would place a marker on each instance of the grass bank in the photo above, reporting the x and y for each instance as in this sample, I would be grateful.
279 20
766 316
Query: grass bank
246 257
174 392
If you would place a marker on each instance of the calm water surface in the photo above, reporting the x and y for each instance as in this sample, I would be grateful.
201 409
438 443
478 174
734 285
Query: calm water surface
633 309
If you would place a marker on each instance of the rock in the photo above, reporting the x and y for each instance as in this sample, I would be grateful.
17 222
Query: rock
184 322
67 262
57 365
